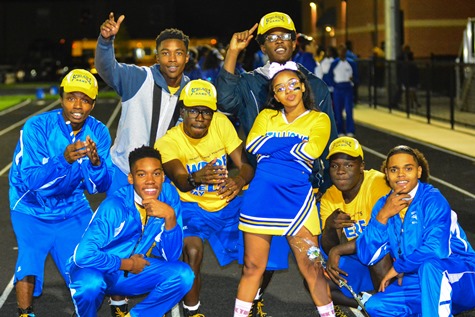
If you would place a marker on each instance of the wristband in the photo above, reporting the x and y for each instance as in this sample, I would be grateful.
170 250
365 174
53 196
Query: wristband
191 181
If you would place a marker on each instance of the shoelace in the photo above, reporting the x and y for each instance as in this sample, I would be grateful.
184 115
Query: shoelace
119 312
260 309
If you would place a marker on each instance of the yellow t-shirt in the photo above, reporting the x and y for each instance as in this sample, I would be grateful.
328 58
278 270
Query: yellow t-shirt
373 187
194 154
173 90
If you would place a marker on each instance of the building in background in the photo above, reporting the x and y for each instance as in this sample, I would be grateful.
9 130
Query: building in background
431 29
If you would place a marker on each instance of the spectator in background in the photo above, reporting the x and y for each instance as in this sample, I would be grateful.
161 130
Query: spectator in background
302 55
343 74
192 68
260 59
324 66
211 64
351 55
409 74
60 154
349 51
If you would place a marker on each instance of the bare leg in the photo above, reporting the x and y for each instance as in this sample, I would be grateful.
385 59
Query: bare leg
311 271
24 291
193 255
379 270
256 253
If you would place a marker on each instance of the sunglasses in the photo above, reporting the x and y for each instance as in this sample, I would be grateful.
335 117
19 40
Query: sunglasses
292 85
274 37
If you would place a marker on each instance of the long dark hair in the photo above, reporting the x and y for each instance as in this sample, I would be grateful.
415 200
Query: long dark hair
416 154
307 96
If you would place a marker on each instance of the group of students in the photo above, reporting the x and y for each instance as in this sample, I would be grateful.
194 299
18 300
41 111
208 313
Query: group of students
170 187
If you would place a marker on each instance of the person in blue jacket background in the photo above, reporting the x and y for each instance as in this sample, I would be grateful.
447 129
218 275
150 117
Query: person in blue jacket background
433 273
343 75
133 244
60 154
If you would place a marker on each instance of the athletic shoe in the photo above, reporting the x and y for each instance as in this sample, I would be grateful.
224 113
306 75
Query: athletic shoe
257 309
192 313
27 312
345 311
119 310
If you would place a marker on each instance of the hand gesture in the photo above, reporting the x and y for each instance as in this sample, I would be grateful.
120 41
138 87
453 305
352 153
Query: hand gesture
240 40
211 174
75 151
230 188
395 202
139 263
110 27
91 152
333 268
338 220
156 208
387 279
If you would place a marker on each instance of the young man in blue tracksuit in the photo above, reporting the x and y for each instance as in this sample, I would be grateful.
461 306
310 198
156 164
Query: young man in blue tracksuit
433 270
133 244
60 154
147 92
343 75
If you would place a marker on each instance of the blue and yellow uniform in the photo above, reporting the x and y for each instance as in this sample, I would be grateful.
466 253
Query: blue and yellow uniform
116 232
431 250
280 198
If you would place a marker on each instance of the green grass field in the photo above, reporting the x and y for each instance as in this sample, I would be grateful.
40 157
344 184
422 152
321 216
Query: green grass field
7 101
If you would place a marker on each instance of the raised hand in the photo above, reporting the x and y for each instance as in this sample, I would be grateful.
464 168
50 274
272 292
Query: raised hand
110 27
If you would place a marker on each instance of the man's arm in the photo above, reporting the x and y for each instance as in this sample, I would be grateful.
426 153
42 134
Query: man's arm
125 79
232 186
227 81
332 231
209 174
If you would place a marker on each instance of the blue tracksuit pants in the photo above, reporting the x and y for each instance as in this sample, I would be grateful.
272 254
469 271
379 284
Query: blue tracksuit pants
165 282
442 287
343 100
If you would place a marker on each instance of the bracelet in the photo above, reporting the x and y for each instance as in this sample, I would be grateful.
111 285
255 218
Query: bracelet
191 181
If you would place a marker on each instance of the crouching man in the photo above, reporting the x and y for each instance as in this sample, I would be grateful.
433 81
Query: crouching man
133 244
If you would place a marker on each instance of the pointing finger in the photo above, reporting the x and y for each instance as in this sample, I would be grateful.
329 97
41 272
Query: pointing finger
119 21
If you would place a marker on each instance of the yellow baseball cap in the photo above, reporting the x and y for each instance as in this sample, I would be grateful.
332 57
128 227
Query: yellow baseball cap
275 20
199 92
346 145
81 80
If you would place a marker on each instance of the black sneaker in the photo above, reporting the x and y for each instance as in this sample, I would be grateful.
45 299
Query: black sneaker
119 310
192 313
345 311
257 309
27 312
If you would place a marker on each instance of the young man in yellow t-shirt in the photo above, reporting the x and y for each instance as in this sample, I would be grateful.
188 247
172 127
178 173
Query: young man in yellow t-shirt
345 210
195 158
